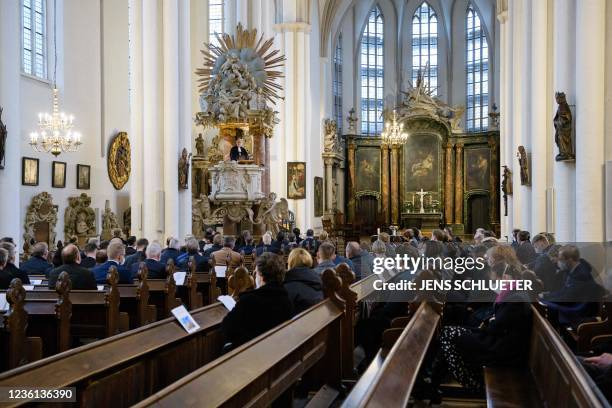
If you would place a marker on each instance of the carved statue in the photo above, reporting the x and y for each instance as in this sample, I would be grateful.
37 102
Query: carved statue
183 170
41 210
127 221
200 145
331 143
272 213
352 120
506 187
334 196
109 222
214 153
494 118
563 129
524 165
79 218
3 136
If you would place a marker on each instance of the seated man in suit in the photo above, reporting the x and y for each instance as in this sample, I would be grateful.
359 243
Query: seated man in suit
238 152
192 251
81 278
10 266
266 245
37 264
226 255
156 269
139 256
170 252
5 276
116 256
90 251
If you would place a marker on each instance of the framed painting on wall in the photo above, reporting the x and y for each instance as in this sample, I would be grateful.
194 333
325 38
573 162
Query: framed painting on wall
29 171
83 176
296 180
58 174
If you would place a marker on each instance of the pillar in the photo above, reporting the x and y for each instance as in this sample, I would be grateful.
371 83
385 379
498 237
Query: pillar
186 110
384 149
540 120
590 63
329 181
448 183
351 187
171 132
459 183
10 101
395 204
564 12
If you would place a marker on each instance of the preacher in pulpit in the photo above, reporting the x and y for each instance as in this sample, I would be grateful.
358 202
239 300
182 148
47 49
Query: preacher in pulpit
238 152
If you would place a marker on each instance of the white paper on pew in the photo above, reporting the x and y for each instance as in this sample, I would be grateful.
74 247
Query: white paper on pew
28 287
220 271
227 301
100 288
179 278
4 306
185 319
36 282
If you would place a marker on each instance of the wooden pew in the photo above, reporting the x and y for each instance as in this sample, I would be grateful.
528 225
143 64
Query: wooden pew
134 300
389 379
259 371
122 370
554 377
162 292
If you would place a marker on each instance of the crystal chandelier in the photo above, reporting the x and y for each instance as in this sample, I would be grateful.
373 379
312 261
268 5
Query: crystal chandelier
394 134
55 130
56 134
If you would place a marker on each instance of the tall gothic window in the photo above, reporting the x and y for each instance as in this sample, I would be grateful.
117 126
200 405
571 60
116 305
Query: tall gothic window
477 73
337 84
371 73
34 38
216 19
425 46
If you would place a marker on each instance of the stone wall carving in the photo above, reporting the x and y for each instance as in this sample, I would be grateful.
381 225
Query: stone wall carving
40 220
110 226
79 219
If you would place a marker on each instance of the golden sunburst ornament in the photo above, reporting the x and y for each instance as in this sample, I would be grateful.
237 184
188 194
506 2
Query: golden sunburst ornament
238 72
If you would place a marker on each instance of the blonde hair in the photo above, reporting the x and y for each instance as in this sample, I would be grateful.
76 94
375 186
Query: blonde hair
323 235
299 257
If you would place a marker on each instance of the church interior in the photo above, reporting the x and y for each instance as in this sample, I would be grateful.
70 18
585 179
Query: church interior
236 202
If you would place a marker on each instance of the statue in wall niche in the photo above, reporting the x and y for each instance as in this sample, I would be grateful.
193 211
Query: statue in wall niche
40 220
199 145
352 122
506 187
563 129
79 219
183 170
494 118
3 136
331 143
524 165
109 223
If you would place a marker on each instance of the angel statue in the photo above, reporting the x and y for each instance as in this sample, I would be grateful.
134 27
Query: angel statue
272 213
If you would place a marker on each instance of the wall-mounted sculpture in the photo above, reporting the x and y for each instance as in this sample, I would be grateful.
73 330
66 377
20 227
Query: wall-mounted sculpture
40 220
127 221
79 219
119 160
352 120
183 170
524 166
506 187
3 136
331 140
563 129
110 226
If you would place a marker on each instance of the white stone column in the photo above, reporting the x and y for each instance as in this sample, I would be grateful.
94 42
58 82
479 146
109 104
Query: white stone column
152 75
590 63
187 88
564 81
329 181
10 101
539 118
172 145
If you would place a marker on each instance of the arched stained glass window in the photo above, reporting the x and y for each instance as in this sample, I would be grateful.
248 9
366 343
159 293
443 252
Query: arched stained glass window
425 46
371 74
477 69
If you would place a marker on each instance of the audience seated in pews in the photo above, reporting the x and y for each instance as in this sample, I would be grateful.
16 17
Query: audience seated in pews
261 309
266 245
139 255
171 251
10 266
5 276
247 247
192 251
325 257
297 233
116 257
362 261
80 277
542 265
599 367
217 244
226 255
37 264
156 269
524 250
130 248
101 257
310 243
90 251
301 282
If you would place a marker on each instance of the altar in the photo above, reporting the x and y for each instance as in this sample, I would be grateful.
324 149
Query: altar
425 222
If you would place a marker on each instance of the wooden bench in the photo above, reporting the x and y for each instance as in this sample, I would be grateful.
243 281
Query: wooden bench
553 378
388 380
134 300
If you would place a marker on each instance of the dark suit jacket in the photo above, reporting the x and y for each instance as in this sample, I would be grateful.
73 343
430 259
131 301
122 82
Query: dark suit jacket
15 272
36 266
156 270
256 312
169 253
235 156
81 278
130 251
100 272
525 252
88 262
134 259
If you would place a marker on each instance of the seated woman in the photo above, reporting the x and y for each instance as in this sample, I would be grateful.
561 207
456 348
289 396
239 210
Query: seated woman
302 283
262 309
501 340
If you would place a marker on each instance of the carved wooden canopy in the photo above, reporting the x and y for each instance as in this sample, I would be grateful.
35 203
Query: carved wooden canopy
40 220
